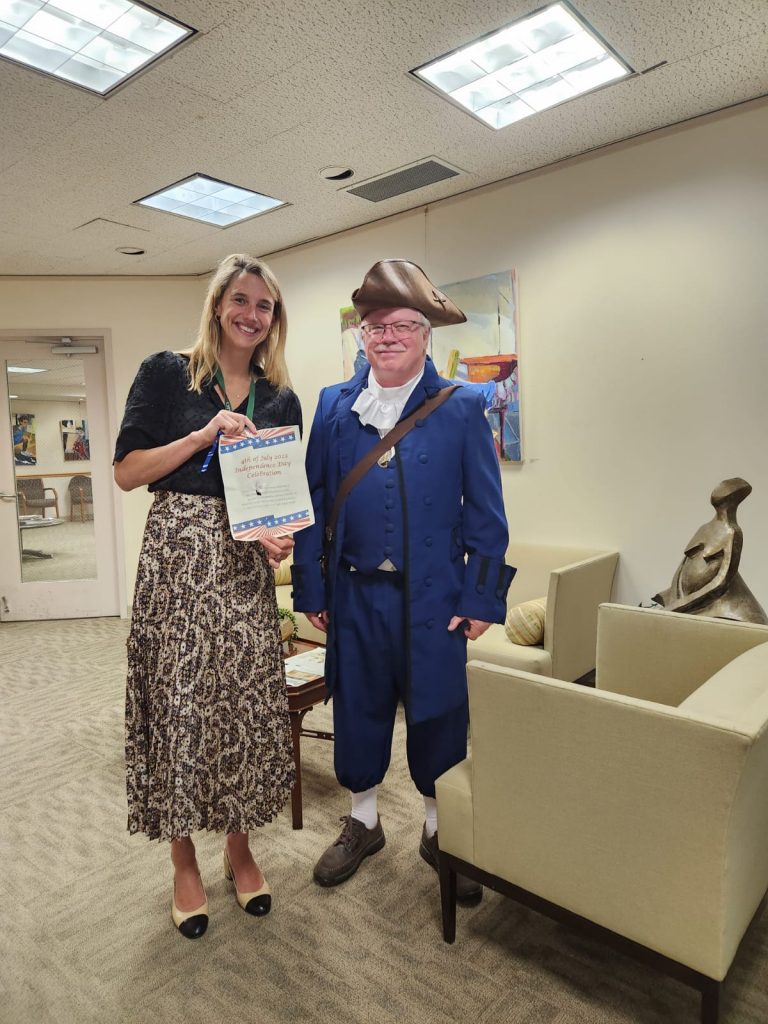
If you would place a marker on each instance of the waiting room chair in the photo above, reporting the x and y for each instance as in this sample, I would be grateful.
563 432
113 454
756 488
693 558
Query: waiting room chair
80 496
637 809
573 583
35 497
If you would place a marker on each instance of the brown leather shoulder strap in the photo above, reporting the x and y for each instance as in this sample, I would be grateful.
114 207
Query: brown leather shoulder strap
389 440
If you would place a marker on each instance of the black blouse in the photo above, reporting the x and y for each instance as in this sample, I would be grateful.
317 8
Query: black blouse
161 409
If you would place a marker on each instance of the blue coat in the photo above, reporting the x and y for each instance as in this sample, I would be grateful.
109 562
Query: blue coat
451 531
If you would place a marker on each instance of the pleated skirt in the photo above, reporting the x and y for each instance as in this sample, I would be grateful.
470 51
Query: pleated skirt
208 739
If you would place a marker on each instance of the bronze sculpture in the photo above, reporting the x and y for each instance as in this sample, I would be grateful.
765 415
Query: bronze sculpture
707 581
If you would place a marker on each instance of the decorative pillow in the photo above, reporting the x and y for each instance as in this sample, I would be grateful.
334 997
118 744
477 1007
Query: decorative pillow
525 622
283 573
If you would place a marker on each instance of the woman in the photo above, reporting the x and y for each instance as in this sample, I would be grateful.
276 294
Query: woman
208 742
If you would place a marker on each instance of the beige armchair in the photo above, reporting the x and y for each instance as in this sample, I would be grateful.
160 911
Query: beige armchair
575 582
638 809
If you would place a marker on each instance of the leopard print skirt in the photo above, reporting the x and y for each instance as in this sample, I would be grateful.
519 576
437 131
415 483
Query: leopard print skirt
208 738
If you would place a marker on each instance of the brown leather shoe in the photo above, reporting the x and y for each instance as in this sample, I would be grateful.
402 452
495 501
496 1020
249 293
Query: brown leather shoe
344 856
468 892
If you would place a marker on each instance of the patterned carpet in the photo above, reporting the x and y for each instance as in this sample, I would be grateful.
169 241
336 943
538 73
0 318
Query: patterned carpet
87 937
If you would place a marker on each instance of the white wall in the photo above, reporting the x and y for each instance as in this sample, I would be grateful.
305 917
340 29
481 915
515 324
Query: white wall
643 333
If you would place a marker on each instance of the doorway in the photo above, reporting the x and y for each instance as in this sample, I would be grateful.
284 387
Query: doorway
58 554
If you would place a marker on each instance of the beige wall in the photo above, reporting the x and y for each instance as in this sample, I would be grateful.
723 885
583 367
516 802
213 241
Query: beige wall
643 334
643 324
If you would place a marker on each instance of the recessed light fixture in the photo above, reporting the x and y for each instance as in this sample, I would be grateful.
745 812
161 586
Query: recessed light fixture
211 201
537 62
96 44
129 250
25 369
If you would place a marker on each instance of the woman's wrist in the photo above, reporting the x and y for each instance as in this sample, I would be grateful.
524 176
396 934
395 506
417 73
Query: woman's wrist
197 441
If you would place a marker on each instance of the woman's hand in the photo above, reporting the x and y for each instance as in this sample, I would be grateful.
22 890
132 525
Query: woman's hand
277 548
224 422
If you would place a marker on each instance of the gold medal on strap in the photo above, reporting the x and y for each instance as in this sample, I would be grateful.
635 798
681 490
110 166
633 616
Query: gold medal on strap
386 458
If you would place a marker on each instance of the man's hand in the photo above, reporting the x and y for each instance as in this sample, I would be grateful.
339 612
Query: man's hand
473 628
319 620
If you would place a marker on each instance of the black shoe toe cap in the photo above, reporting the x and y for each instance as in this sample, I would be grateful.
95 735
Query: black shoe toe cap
259 905
194 927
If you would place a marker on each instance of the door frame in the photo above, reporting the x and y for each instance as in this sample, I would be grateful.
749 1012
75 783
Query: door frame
115 510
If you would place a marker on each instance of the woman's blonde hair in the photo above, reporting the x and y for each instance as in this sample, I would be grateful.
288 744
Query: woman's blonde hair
269 355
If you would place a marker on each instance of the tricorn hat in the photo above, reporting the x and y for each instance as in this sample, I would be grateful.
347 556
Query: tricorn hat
393 283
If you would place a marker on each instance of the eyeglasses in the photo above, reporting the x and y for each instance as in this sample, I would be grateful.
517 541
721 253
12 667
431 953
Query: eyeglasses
401 329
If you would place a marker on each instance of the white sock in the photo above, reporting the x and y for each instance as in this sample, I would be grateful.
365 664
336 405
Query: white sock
364 807
430 811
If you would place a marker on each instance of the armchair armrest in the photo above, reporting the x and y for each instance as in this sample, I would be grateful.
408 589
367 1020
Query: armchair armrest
664 656
613 807
53 492
570 631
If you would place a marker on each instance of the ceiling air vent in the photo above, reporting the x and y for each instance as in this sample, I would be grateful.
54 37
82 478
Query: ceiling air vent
397 183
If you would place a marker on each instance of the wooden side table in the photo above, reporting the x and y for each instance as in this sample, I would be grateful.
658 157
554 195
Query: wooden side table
302 699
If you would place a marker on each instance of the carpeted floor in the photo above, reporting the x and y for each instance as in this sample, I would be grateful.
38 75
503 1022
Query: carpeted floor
86 935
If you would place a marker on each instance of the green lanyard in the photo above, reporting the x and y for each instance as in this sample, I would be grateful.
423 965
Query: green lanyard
251 395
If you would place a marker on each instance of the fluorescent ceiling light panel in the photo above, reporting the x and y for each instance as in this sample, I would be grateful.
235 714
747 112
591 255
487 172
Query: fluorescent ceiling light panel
537 62
95 44
24 369
210 201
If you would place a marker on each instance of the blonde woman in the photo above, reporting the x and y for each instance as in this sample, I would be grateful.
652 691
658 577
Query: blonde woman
208 742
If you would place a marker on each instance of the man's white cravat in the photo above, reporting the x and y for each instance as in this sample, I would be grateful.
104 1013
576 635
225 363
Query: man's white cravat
382 407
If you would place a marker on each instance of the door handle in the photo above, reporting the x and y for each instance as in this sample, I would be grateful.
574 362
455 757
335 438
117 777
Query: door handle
8 497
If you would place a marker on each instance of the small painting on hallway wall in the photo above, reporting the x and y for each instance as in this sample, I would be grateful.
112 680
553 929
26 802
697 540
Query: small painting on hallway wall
24 440
74 438
482 353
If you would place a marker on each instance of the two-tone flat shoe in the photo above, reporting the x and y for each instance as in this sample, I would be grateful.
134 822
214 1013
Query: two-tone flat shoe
257 903
191 923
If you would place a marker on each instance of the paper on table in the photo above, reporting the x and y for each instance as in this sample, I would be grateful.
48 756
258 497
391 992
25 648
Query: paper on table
265 483
303 668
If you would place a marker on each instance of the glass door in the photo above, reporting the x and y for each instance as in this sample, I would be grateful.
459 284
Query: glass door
57 519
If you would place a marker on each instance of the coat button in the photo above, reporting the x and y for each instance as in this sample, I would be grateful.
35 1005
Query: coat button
429 623
428 581
427 501
389 528
387 550
423 457
480 588
428 542
389 483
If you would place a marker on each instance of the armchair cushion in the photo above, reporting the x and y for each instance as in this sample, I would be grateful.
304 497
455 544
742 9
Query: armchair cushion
494 646
525 622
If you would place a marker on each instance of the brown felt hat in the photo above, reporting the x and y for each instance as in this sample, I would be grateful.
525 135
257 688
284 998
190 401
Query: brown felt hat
393 283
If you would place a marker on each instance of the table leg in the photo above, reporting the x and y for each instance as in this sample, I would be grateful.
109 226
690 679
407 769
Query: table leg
296 803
